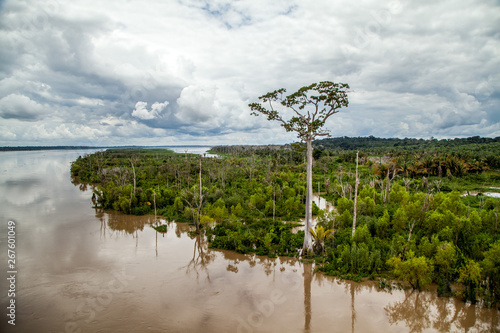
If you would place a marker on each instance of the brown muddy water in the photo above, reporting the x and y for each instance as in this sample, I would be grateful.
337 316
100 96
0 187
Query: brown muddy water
85 270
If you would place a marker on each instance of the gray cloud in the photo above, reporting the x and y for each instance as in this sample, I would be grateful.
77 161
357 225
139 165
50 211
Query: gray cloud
88 72
20 107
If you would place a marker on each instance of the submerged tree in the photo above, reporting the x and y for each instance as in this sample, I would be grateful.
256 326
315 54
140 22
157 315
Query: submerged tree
309 107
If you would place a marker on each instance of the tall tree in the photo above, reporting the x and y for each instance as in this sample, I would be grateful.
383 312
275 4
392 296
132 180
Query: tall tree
355 212
309 107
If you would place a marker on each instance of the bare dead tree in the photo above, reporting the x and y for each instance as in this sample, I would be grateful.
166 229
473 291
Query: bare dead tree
355 197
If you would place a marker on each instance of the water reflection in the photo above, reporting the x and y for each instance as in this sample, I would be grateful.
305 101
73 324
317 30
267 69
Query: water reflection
413 311
202 257
127 223
308 274
70 251
420 311
200 150
353 288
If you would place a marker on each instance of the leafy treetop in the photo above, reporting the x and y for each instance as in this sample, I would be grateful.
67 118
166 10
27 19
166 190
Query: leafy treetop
317 102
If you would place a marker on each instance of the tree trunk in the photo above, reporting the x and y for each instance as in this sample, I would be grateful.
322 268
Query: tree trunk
387 187
496 223
154 200
133 170
274 201
307 236
130 203
355 197
200 205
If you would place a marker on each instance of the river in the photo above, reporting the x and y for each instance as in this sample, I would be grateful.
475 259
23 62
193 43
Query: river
80 269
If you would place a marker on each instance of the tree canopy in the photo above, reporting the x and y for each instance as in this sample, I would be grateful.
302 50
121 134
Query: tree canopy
311 106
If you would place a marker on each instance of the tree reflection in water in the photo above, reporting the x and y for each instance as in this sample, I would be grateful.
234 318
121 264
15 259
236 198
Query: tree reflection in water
122 224
420 311
268 263
183 228
128 224
99 214
413 310
308 274
354 288
202 256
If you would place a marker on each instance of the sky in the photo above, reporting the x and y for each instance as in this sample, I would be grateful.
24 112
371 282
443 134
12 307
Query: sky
182 72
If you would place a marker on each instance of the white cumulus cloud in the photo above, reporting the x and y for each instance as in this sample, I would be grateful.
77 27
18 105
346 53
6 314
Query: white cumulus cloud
141 111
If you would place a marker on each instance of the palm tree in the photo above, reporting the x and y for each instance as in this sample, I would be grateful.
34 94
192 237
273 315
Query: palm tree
427 164
319 235
403 163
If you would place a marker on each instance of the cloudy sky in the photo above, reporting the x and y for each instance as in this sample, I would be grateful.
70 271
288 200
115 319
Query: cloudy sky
176 72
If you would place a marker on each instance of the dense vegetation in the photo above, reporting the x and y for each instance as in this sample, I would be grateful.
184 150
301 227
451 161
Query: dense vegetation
393 144
412 224
134 181
427 157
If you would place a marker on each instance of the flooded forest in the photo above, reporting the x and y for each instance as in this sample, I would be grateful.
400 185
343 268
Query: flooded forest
423 212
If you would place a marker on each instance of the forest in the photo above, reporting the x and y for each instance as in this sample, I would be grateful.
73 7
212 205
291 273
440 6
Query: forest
417 211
